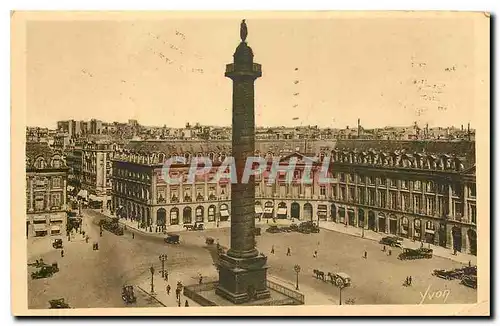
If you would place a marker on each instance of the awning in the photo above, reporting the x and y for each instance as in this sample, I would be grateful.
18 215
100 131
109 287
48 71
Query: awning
429 231
95 198
39 227
82 193
281 211
39 218
56 218
268 210
258 209
55 228
224 212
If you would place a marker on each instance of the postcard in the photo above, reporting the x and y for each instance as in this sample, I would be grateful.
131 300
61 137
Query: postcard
250 163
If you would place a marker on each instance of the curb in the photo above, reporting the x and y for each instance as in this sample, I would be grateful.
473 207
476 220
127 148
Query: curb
151 296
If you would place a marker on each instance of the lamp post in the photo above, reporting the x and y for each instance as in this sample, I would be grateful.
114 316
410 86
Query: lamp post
341 287
296 268
152 270
163 258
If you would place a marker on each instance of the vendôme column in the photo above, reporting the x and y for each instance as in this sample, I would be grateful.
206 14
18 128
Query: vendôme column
242 271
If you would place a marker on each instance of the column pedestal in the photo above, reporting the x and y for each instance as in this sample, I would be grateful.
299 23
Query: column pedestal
243 279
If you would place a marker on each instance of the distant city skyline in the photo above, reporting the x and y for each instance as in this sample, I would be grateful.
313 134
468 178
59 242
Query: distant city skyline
325 72
53 126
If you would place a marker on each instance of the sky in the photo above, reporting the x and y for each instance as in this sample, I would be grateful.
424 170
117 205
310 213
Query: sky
322 71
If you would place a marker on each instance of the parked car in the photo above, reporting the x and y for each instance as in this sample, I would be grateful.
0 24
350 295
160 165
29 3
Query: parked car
45 271
128 294
470 281
58 304
446 274
57 244
392 241
172 238
410 254
273 229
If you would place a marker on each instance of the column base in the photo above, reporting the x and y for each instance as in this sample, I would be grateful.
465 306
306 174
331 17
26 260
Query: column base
242 279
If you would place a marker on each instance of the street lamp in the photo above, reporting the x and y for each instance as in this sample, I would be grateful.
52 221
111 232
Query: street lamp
341 287
296 268
152 270
163 258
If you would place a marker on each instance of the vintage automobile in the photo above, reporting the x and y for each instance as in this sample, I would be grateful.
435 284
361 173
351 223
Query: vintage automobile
447 274
410 254
273 229
128 294
469 270
58 304
470 281
392 241
172 238
209 241
308 227
340 279
45 271
113 226
57 244
294 227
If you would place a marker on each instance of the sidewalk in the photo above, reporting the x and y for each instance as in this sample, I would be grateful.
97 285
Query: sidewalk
375 236
186 276
171 228
311 296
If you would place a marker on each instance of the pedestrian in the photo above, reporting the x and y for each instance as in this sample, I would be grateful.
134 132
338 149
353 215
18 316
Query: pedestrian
272 249
178 294
365 255
469 264
421 244
166 276
409 279
179 302
168 289
454 252
383 249
133 235
100 233
288 251
315 254
390 252
62 253
200 280
186 304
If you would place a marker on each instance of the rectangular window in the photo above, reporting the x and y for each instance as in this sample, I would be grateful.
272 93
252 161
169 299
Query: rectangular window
343 193
342 177
334 192
472 190
371 197
39 203
361 179
417 185
56 182
473 216
362 195
394 200
382 198
352 194
404 184
351 177
417 203
370 180
392 183
382 181
405 201
322 190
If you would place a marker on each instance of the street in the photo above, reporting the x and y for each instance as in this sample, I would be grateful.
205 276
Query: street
90 278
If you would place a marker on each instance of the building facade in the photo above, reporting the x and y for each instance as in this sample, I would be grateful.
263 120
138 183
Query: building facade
46 175
424 191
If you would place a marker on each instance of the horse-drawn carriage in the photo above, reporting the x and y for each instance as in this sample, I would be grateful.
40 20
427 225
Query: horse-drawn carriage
337 279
